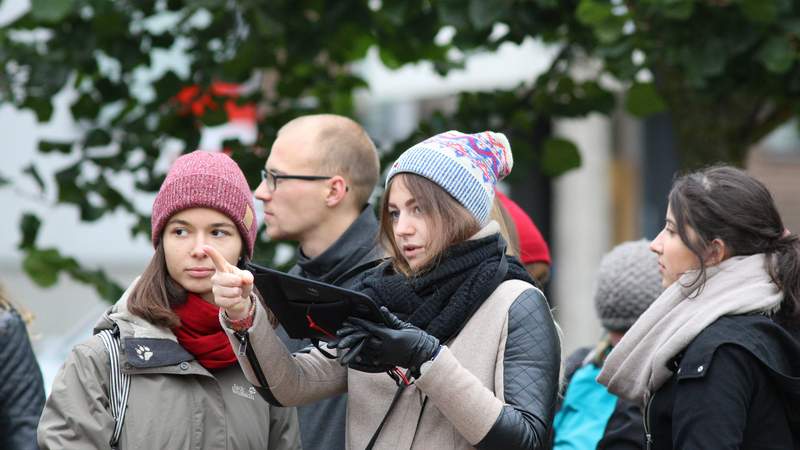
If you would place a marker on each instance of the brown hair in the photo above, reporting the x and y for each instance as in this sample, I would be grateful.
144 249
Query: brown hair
344 149
449 222
156 293
725 203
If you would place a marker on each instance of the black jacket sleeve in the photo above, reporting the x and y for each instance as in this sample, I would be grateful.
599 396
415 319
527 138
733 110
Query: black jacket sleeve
530 376
21 385
625 429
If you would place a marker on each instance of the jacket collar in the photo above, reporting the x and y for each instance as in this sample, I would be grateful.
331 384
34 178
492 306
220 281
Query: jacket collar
759 335
357 247
773 346
489 229
144 345
129 324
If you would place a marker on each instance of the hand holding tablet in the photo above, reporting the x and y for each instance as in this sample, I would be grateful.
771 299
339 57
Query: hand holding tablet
310 309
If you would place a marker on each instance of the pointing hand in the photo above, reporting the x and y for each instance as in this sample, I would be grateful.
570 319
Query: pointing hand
231 286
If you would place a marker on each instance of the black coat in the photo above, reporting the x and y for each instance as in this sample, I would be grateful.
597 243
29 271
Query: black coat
736 386
21 386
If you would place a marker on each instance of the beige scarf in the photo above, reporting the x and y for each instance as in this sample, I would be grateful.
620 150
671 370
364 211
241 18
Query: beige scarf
638 364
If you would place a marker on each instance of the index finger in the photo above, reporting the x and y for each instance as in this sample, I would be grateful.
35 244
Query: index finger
220 263
368 325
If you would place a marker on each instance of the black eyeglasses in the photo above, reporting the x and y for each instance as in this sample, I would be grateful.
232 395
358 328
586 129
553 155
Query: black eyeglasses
272 178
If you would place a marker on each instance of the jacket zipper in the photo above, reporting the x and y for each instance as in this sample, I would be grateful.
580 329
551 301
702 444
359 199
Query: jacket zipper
243 337
246 350
646 419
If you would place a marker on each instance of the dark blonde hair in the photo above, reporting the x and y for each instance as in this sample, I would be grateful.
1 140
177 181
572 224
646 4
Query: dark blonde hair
7 304
508 229
449 222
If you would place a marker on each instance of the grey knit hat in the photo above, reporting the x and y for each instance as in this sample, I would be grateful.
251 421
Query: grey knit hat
627 283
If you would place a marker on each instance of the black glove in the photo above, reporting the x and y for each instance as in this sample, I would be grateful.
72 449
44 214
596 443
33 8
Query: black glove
350 341
373 347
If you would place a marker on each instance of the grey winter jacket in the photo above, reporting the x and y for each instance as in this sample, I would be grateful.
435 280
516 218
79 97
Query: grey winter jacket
174 402
21 387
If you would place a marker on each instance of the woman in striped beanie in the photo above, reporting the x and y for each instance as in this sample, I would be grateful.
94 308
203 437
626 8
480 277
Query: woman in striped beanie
475 340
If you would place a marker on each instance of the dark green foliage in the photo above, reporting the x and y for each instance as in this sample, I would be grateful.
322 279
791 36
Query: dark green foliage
726 71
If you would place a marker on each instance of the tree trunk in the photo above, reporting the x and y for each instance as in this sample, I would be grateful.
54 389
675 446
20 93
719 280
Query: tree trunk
705 137
715 124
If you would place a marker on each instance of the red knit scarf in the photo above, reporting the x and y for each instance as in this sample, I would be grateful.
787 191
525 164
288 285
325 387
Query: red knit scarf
201 334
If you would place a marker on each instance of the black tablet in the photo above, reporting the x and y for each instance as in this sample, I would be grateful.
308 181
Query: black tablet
310 309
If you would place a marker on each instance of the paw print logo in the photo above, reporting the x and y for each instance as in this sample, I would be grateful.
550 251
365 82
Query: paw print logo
252 390
143 352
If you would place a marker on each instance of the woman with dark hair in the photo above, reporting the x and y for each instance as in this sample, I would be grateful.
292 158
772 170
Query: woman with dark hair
476 339
714 361
21 386
185 388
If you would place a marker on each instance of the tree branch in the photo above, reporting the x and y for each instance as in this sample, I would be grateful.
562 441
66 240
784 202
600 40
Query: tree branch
779 115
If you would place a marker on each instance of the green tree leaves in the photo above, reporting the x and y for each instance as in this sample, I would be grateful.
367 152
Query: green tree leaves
29 225
778 54
44 265
484 13
672 9
51 11
643 100
601 16
725 69
560 155
763 11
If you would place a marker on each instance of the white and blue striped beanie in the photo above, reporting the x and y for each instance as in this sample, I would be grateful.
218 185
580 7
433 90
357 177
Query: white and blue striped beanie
467 166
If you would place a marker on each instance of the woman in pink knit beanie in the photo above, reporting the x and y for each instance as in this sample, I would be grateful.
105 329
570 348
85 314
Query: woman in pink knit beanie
174 380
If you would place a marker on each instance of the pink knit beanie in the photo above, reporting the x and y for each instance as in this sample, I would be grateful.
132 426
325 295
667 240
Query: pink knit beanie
206 180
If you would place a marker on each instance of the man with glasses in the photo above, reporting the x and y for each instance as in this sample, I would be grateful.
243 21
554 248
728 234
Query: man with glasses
315 190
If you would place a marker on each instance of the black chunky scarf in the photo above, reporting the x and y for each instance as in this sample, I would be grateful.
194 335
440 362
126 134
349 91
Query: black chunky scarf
443 298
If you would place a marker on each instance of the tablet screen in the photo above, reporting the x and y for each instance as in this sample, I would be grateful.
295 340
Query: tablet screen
310 309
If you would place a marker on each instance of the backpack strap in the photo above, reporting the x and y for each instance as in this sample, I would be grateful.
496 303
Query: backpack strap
120 384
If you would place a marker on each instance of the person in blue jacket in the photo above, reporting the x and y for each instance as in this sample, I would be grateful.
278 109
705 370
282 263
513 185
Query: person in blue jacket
589 417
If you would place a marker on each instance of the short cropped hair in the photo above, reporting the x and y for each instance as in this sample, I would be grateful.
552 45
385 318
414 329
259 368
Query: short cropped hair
345 149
